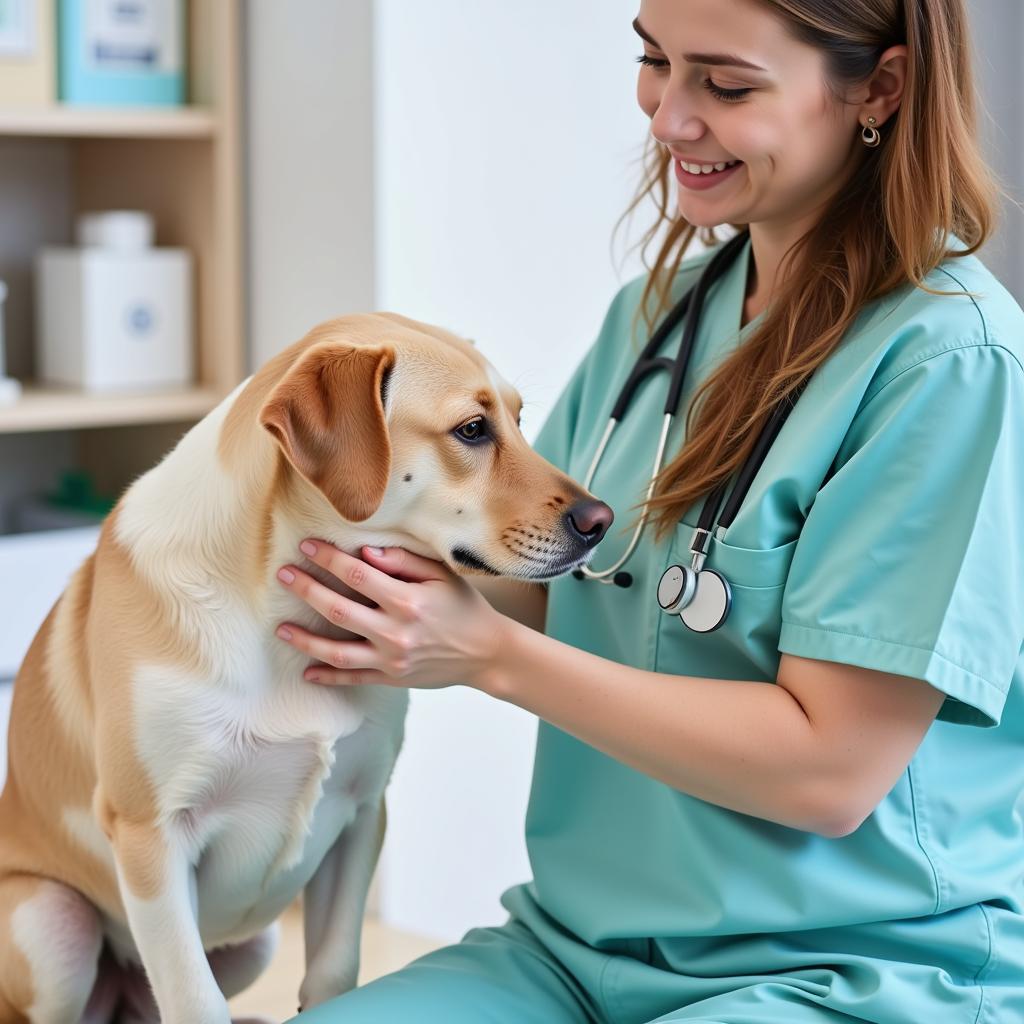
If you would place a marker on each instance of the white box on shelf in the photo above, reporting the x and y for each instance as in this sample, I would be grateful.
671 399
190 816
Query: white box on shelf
114 320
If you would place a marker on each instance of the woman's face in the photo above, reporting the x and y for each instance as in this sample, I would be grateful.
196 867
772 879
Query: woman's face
794 143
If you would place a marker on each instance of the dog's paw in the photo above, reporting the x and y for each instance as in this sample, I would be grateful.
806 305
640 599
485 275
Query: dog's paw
317 987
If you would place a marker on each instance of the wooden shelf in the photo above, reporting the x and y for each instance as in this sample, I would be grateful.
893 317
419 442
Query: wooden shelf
49 408
111 123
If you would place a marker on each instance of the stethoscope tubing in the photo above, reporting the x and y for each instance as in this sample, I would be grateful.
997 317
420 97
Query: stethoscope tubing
690 307
607 575
681 587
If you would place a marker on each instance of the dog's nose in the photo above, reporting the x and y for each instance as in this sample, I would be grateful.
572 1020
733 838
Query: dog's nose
589 520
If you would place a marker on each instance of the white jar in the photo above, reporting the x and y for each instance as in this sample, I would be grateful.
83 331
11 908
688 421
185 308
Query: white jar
124 230
111 319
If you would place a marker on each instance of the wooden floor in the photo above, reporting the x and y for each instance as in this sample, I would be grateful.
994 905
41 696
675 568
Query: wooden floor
276 992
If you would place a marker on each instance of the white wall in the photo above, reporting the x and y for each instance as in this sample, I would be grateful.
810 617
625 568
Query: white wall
504 139
504 136
309 166
998 31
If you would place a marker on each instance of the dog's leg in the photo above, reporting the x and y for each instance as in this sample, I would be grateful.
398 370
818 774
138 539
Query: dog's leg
50 942
237 967
333 905
158 889
234 967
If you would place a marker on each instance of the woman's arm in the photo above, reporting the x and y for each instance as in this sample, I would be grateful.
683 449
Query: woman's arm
816 751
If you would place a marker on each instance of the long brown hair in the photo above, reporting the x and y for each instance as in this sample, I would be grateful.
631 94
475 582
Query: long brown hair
883 229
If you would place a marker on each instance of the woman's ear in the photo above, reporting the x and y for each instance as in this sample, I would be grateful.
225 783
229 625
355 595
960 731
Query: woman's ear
327 414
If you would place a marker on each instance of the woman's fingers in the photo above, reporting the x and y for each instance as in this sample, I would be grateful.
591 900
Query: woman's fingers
377 584
407 566
341 611
343 661
341 677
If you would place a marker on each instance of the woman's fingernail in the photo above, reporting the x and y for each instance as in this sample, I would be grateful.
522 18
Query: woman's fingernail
286 576
313 678
375 551
307 547
284 633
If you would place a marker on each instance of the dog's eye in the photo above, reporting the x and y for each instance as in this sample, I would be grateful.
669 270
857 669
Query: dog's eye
473 431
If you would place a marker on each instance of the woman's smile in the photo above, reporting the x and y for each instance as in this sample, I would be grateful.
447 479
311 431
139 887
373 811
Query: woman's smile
704 180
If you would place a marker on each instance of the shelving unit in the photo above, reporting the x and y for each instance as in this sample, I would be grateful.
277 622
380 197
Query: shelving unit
45 408
101 122
182 165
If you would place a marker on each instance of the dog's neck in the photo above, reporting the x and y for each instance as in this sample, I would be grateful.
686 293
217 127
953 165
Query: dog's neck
209 540
216 518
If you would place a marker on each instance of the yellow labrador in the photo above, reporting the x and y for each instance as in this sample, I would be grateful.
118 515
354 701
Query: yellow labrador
174 783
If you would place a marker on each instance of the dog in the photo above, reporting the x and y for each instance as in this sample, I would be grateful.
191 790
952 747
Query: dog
174 783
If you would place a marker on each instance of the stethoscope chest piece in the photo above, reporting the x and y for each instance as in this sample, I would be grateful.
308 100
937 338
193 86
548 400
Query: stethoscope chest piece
701 599
711 603
676 588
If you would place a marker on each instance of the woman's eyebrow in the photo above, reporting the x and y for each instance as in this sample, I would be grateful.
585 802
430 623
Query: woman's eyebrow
702 58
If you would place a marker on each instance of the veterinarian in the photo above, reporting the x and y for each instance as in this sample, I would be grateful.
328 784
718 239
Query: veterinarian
846 844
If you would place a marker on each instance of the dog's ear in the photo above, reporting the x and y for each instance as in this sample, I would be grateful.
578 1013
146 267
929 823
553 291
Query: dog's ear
327 414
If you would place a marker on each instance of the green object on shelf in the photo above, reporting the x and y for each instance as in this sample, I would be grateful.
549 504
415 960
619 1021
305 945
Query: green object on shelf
77 491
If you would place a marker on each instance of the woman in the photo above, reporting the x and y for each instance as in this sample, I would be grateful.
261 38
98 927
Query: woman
844 845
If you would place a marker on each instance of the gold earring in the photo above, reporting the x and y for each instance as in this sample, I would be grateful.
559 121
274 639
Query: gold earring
870 135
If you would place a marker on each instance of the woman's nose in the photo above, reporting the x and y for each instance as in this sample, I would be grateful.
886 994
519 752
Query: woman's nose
674 122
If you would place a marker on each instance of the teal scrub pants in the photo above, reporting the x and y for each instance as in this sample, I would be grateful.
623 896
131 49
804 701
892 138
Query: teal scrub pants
506 975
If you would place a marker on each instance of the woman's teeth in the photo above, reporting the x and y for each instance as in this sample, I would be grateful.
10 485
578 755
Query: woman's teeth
706 168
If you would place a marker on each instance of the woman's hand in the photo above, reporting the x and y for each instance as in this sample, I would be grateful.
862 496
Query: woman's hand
431 628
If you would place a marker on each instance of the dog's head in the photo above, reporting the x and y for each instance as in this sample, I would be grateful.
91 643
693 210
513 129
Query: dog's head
405 428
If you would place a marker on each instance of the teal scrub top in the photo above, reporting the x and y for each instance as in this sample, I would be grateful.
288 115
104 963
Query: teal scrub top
884 529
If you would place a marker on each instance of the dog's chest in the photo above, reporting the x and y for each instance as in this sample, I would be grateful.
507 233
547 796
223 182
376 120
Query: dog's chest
259 789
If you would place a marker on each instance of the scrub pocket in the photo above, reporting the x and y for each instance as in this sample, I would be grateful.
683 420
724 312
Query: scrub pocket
745 646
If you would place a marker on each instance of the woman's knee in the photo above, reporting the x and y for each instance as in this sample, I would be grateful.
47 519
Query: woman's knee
493 973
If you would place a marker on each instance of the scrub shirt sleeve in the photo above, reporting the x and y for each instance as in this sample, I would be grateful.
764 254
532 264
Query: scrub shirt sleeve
554 440
911 559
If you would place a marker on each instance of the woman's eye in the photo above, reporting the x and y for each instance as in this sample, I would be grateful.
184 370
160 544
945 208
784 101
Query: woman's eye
727 95
724 94
474 430
652 62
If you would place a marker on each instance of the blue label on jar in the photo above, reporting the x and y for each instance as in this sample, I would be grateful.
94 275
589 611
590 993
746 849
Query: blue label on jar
141 320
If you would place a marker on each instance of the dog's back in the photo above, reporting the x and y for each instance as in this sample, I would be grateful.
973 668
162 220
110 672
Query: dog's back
174 782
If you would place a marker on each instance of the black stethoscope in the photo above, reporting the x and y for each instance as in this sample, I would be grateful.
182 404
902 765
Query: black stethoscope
700 597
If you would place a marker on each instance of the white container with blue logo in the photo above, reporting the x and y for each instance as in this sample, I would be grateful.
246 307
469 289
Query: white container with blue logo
122 52
114 314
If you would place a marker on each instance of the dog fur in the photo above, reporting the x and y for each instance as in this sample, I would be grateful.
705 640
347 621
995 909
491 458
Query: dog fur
173 782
